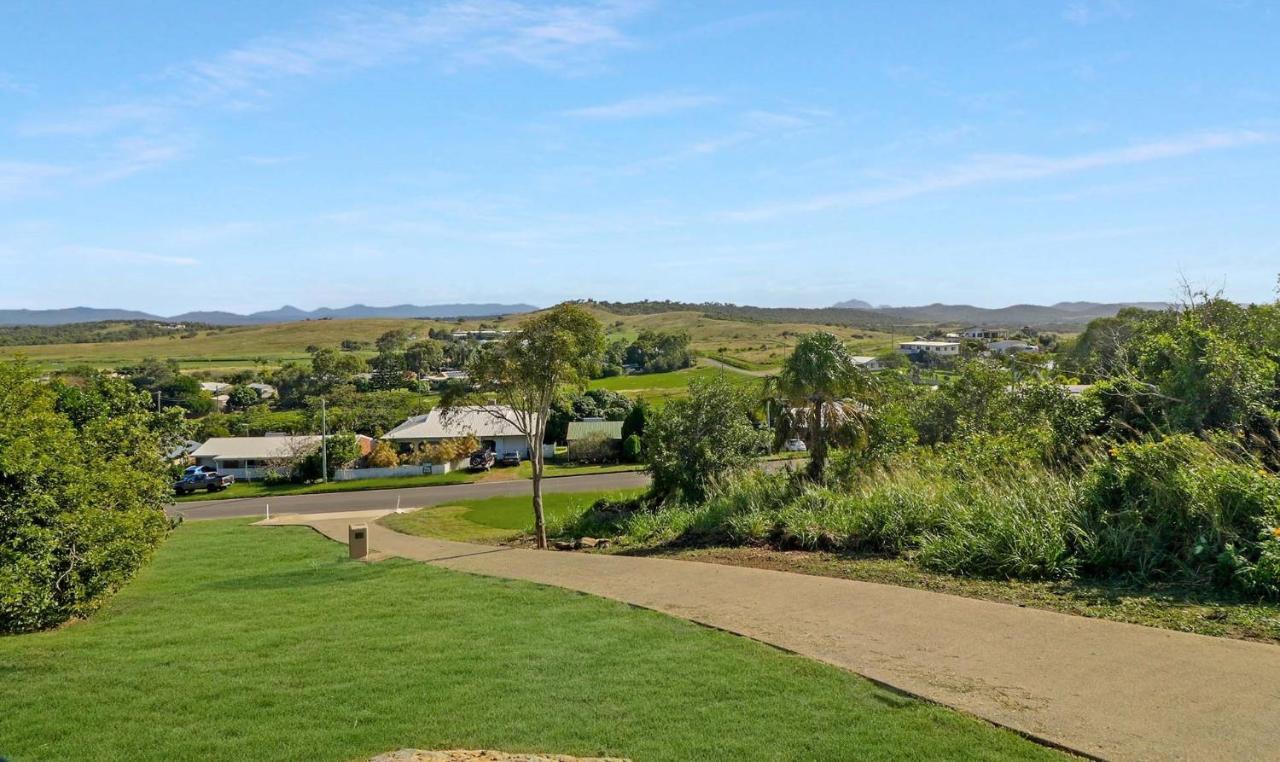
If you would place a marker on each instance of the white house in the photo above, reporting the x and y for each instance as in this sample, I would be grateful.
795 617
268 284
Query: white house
214 387
1010 346
982 334
265 391
494 432
943 348
867 363
253 457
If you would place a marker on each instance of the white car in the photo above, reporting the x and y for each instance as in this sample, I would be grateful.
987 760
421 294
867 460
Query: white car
795 445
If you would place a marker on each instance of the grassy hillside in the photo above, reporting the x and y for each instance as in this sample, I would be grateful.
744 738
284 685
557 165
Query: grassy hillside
759 344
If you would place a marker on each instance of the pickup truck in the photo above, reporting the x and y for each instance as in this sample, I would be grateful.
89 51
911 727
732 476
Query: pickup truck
210 481
482 460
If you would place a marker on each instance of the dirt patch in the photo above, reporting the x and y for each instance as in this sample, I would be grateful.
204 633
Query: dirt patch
482 755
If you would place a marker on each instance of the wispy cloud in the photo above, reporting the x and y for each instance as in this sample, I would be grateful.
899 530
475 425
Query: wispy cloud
659 104
469 31
1000 168
126 256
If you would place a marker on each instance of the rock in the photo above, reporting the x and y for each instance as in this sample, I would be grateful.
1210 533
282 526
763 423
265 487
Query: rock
480 755
588 542
562 545
603 543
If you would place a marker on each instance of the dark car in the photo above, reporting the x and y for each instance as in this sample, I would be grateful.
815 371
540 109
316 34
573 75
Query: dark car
210 481
509 459
481 460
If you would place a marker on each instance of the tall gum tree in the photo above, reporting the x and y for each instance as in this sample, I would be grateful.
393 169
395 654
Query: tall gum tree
516 378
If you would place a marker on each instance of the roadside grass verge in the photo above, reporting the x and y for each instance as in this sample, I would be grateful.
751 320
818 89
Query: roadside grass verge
242 642
495 519
259 489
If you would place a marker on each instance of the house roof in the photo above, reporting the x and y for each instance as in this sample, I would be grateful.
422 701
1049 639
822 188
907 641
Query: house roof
580 429
862 359
255 448
213 386
923 343
265 448
460 422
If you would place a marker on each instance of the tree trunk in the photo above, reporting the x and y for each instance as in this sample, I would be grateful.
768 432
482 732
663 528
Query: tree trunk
539 519
818 444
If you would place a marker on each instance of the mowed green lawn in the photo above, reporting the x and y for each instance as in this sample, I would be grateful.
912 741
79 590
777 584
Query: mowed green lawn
495 518
658 386
243 642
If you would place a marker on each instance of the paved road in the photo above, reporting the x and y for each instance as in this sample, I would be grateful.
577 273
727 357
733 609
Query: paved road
338 502
1112 690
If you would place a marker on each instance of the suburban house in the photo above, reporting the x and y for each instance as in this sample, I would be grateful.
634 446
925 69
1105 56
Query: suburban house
214 387
867 363
265 391
254 457
594 427
982 334
484 423
482 336
944 348
1010 346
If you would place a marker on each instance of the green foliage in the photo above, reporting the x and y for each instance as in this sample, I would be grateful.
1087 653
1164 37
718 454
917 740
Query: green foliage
594 448
659 352
592 403
824 397
1169 509
241 397
632 449
634 422
82 493
337 449
697 440
92 333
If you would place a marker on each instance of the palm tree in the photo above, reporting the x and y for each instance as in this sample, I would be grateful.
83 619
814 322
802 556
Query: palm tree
824 396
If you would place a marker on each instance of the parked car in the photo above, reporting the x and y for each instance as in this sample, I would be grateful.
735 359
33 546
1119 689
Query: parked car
510 459
481 460
210 481
795 445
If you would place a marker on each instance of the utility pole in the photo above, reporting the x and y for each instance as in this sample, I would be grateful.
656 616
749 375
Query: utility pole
324 443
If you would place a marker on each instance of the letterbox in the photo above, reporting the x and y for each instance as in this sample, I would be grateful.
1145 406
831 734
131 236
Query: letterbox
358 540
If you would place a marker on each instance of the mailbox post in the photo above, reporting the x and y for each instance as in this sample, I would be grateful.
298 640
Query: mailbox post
358 540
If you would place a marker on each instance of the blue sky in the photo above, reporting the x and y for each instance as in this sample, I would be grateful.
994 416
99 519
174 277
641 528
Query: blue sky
242 155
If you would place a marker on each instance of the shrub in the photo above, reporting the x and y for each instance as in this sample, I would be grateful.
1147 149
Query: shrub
382 456
446 450
632 449
82 493
1171 509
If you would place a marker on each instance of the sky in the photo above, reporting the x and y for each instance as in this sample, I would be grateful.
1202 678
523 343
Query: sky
243 155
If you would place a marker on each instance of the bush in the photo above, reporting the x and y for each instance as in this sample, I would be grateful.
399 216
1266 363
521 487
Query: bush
1171 509
696 440
382 456
82 493
446 450
632 449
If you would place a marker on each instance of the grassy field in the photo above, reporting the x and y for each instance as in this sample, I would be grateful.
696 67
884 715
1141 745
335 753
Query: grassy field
655 387
494 519
241 642
259 489
757 345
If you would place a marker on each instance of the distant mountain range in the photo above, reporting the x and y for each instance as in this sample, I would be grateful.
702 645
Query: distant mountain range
283 315
1017 315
